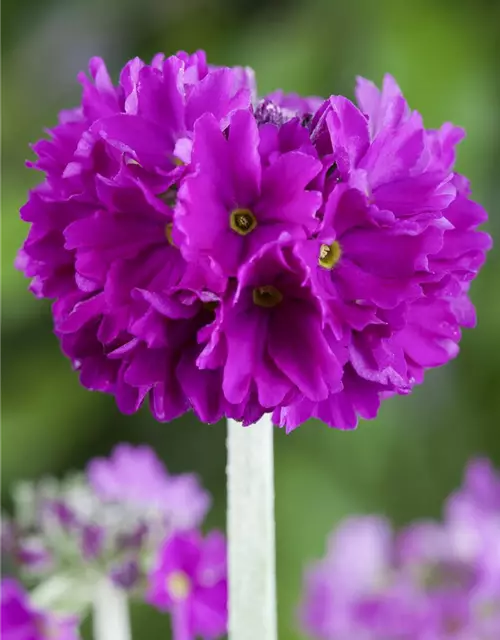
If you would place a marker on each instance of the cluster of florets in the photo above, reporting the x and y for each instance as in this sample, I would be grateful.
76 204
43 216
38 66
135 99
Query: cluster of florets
235 256
127 522
433 581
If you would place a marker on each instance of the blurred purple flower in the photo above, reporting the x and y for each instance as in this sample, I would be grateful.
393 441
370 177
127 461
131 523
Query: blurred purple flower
19 620
190 581
358 562
473 519
135 476
423 584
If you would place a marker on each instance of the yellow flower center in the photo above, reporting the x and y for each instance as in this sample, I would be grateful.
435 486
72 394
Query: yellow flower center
168 232
178 585
242 221
329 255
267 296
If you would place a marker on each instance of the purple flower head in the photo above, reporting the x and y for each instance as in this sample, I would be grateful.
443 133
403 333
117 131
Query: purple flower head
190 581
172 195
21 621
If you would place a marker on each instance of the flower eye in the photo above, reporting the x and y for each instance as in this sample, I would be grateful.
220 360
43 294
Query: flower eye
242 221
178 585
329 255
267 296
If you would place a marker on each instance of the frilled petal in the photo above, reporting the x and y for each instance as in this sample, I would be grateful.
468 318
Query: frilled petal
160 97
284 196
202 387
341 409
218 93
349 135
432 333
309 364
378 359
146 142
386 108
100 98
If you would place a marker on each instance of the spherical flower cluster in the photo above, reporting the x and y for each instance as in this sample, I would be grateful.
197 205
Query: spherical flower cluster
20 620
211 251
109 522
433 581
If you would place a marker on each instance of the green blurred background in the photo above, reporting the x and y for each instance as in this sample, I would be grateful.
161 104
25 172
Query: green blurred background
445 56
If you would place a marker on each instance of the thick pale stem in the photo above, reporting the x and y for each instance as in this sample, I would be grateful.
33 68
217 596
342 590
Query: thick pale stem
111 619
251 531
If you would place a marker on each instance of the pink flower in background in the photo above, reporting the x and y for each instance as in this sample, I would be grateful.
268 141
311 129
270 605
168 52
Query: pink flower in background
189 580
431 581
20 620
473 519
135 476
340 589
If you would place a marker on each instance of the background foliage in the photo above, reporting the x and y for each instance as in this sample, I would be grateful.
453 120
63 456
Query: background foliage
445 55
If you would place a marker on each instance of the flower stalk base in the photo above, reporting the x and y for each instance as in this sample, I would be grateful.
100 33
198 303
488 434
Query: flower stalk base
251 531
111 618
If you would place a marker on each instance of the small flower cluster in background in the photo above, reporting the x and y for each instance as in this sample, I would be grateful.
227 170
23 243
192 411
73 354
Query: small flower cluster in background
125 520
210 250
431 581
